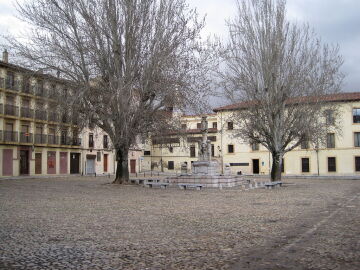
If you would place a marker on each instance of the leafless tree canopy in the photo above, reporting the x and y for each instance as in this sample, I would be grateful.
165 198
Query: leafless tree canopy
130 61
284 72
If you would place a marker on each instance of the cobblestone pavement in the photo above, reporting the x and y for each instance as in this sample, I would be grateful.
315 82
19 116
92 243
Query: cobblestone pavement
85 223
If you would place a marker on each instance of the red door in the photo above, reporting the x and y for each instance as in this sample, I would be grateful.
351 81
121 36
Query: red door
63 162
132 165
7 162
51 162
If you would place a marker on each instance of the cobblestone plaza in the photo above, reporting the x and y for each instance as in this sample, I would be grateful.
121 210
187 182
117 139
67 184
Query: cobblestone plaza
86 223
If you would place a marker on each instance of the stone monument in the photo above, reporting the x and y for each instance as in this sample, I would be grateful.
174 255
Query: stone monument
204 165
205 171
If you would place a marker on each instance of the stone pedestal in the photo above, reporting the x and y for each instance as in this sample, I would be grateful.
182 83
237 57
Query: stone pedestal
205 167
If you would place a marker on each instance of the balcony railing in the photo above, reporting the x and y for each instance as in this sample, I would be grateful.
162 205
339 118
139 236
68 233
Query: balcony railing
52 139
10 136
11 84
76 141
26 88
11 110
26 112
39 91
52 116
65 140
40 115
26 137
40 138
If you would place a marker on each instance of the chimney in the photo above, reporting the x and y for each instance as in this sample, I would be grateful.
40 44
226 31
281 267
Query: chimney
5 57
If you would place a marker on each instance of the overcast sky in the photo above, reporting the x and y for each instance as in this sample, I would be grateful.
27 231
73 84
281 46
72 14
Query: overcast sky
335 21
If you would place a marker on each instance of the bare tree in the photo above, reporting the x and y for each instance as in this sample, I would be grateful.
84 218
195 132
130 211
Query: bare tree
283 76
130 62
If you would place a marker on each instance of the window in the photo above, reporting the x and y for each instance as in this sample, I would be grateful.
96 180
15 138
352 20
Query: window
329 117
230 125
198 125
26 103
356 116
91 140
171 149
192 151
282 165
147 153
183 126
214 125
305 144
170 165
357 164
230 148
331 164
10 79
63 137
254 146
212 150
105 142
330 140
39 130
9 127
98 156
357 139
305 165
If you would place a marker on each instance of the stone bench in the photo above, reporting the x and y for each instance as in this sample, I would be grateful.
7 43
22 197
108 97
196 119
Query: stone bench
156 184
186 186
273 184
137 181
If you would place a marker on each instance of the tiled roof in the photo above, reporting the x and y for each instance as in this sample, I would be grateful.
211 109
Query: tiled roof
198 115
339 97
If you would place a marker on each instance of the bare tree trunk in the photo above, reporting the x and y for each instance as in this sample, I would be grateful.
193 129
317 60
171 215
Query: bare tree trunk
122 168
276 166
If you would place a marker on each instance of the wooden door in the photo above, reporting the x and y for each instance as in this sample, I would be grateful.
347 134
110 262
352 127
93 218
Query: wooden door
74 163
37 163
51 162
105 162
7 162
132 165
256 166
63 162
24 162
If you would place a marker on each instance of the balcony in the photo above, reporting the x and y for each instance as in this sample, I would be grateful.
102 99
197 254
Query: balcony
52 139
65 140
26 137
11 110
39 91
40 138
10 136
11 84
26 112
52 116
76 141
40 115
26 88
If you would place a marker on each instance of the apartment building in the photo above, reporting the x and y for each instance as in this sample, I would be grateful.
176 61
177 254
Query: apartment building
98 154
340 155
35 138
